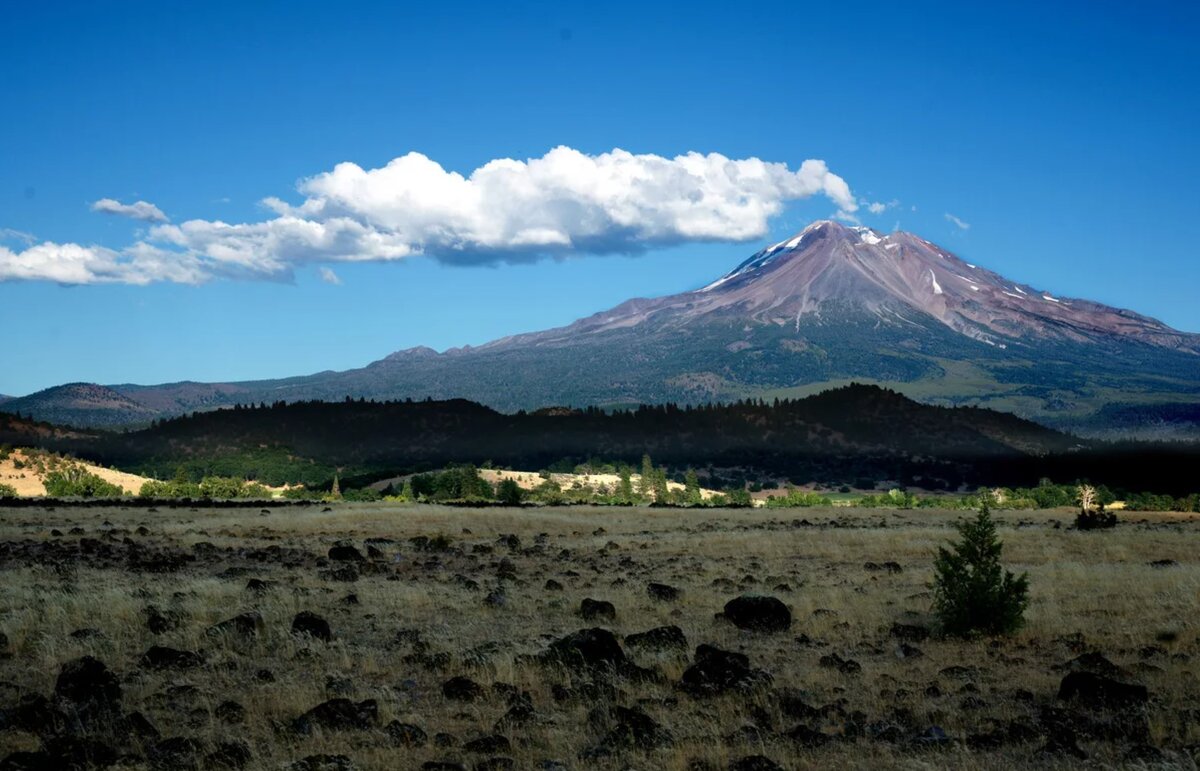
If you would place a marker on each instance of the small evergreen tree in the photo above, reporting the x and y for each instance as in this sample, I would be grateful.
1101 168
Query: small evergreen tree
972 593
624 487
691 489
646 482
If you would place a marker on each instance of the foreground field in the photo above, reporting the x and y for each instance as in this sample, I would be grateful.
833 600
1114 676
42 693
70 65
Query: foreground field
854 682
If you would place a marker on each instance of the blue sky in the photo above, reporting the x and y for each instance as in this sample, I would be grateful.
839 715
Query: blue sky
1063 134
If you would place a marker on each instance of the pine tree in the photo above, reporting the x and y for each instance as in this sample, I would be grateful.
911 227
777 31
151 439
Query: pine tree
625 488
645 484
406 492
336 490
972 592
691 488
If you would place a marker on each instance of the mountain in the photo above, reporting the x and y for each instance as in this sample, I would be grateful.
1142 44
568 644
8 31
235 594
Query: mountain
830 305
82 404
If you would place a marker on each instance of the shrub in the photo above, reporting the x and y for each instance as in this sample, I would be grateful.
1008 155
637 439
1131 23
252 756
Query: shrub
8 491
75 481
972 593
509 493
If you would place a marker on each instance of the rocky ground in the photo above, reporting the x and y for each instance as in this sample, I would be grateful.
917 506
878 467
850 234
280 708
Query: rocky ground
396 637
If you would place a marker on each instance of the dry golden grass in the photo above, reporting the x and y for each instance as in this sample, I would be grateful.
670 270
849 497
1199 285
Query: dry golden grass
1099 585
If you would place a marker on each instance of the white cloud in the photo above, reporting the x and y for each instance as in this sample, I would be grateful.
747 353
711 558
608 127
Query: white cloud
74 264
878 207
328 276
139 210
957 222
563 203
8 234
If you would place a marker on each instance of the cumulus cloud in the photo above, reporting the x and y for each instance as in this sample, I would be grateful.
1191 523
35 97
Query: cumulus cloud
563 203
879 207
139 210
957 222
329 277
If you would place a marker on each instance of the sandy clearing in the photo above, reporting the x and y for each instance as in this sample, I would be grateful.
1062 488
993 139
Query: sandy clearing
28 482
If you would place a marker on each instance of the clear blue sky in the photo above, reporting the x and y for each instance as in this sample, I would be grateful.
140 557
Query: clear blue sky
1064 134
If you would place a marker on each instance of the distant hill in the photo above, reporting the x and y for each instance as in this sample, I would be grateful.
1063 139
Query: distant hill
831 305
83 404
843 435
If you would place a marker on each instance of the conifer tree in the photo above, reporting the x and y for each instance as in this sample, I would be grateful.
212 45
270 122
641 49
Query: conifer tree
973 594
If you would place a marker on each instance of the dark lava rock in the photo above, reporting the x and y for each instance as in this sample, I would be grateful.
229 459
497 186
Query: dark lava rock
232 754
717 671
662 592
597 609
443 765
755 763
309 623
406 734
339 715
178 752
552 585
758 613
243 625
230 712
1061 740
462 689
87 683
71 752
659 639
487 745
323 763
161 657
158 622
910 632
259 586
932 737
630 728
845 666
591 649
1098 691
887 567
807 737
346 554
906 651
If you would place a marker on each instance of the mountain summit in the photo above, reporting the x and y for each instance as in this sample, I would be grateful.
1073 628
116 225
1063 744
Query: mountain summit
830 305
899 278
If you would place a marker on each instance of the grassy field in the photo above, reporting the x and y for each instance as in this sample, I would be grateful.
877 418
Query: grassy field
81 582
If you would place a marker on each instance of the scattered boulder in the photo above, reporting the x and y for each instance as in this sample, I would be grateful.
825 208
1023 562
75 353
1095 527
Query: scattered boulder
590 649
487 745
592 610
910 632
162 657
462 689
716 671
243 626
662 592
758 613
629 728
845 666
231 754
658 639
339 715
1098 691
345 553
312 625
406 734
87 683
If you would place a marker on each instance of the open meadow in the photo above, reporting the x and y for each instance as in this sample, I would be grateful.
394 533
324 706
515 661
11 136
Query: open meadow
385 636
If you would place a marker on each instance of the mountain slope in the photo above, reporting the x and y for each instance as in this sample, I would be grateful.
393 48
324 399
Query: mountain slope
82 404
830 305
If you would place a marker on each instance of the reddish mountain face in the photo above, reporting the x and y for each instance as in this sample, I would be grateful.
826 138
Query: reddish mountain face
831 305
899 278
